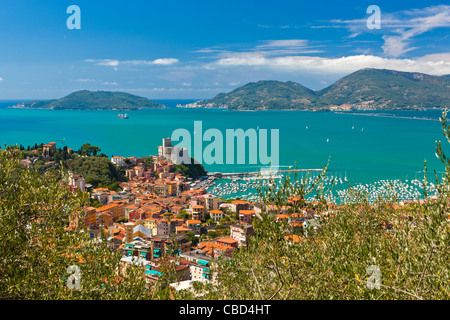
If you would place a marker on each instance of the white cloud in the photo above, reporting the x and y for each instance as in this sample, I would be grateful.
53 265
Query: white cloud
85 80
165 61
416 22
342 65
436 57
116 63
106 83
399 29
104 62
1 79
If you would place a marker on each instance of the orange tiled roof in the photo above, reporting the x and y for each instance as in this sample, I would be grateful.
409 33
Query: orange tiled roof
240 202
193 222
227 240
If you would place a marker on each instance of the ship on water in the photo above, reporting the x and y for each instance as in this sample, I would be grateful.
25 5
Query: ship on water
123 116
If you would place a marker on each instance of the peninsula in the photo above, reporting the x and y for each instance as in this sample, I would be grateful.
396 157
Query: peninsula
366 89
93 100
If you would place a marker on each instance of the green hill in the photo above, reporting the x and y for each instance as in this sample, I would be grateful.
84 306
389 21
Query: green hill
94 100
366 88
388 89
265 95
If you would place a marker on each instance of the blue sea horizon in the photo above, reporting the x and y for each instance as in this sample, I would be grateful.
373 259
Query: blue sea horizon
365 147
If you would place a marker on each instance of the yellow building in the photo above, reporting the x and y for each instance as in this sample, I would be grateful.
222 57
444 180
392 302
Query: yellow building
129 231
150 223
198 212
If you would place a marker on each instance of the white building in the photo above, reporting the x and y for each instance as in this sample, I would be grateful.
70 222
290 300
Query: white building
118 161
77 181
173 154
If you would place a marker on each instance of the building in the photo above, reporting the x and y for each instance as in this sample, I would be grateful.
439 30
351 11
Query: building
167 150
216 215
246 216
194 226
238 205
151 224
154 270
211 202
46 148
130 173
118 161
241 233
200 265
101 195
198 212
77 181
129 232
142 232
173 244
90 216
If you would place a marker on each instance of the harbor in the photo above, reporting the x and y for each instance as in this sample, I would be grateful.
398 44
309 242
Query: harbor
337 189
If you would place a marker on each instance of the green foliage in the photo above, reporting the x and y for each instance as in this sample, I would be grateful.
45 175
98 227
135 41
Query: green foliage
192 238
192 170
36 249
88 150
95 100
388 89
98 171
183 215
337 256
382 88
332 262
266 95
212 234
148 162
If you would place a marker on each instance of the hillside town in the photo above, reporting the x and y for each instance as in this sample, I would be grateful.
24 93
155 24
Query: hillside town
160 213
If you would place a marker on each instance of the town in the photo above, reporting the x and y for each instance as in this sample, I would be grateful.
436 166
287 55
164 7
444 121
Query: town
162 213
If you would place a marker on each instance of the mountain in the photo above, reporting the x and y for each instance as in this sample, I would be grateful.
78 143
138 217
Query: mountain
388 89
94 100
264 95
363 89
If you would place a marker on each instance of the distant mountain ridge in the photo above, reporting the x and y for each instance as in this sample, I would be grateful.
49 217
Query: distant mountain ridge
94 100
363 89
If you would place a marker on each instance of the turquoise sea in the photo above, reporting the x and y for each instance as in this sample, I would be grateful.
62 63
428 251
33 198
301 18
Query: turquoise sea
364 147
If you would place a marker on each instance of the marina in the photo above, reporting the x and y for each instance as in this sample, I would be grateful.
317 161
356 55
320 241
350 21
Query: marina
336 189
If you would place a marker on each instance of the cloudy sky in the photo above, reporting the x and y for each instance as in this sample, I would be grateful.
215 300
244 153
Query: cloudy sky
196 49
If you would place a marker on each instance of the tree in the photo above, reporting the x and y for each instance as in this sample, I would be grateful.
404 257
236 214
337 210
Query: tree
98 170
88 150
192 170
212 234
148 162
183 215
36 248
358 250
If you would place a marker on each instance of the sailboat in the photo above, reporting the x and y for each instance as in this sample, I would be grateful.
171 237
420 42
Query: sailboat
345 177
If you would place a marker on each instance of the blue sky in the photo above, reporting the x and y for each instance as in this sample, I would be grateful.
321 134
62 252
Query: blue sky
196 49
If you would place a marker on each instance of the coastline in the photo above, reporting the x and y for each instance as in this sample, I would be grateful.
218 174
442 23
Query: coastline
387 116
